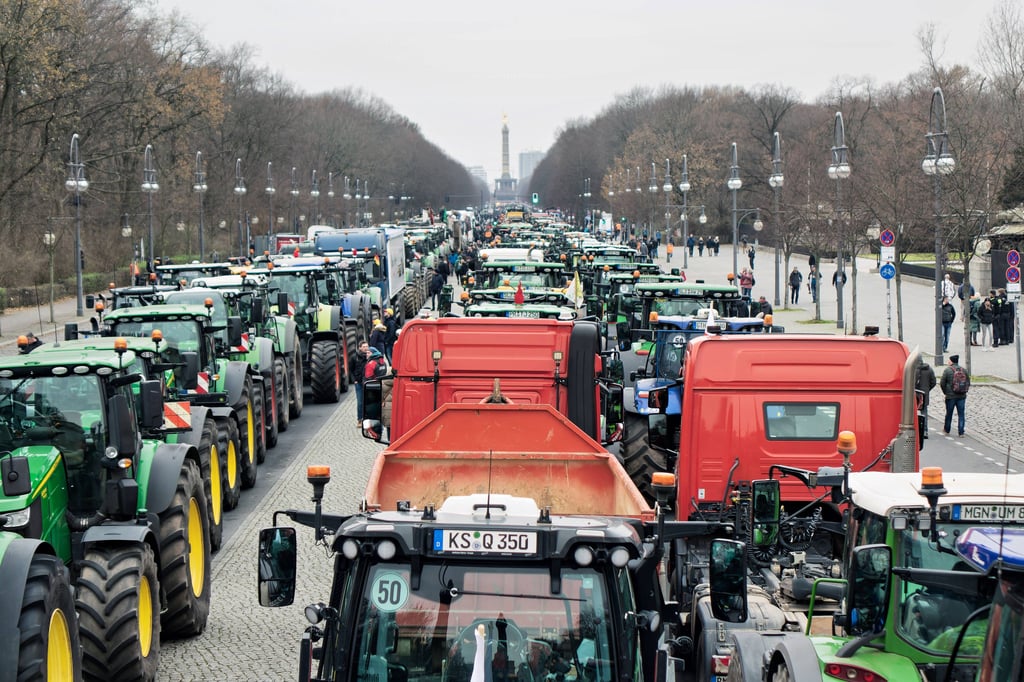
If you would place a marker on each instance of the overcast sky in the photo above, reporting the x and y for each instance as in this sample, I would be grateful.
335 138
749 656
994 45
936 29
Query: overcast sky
454 67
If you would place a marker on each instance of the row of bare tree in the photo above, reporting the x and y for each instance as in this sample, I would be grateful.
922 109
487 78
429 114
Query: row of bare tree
123 79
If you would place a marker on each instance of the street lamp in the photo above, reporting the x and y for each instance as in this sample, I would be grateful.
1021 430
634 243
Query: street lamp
76 184
240 192
294 192
271 190
775 181
684 187
50 241
199 187
839 170
314 193
667 187
734 183
346 196
330 196
938 162
586 202
150 187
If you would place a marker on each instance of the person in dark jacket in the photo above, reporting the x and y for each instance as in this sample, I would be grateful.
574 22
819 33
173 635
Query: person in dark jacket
377 336
795 280
923 384
358 366
1005 318
436 284
986 316
997 310
954 400
948 315
28 343
391 333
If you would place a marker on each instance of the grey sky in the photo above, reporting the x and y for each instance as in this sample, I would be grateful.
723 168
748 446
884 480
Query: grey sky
454 67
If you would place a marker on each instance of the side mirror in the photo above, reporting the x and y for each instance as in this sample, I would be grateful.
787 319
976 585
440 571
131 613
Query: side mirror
234 331
765 513
728 569
122 427
868 593
622 334
259 313
373 399
332 285
658 399
70 331
282 303
151 403
188 373
611 412
276 569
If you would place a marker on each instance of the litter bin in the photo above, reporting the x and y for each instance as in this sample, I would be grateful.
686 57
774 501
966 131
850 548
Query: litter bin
445 303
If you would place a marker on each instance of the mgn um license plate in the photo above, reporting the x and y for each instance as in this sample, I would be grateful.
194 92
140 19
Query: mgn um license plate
989 513
460 541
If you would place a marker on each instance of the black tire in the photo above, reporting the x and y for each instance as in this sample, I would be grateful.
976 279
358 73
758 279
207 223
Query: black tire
118 601
231 466
260 415
185 557
283 393
409 301
49 648
638 458
325 371
351 345
213 488
295 400
271 386
249 437
584 345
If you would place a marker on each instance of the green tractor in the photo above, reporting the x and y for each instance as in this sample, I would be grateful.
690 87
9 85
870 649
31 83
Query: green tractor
88 485
227 388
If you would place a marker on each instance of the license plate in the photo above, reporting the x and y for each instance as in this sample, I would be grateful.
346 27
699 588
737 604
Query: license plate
508 295
484 542
989 513
700 324
523 313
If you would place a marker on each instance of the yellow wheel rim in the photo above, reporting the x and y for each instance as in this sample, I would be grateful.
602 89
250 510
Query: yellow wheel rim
216 503
59 661
196 565
250 432
145 616
232 464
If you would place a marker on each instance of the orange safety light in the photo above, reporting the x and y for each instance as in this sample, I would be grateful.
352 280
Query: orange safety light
152 277
653 317
768 320
464 296
931 477
507 282
484 256
270 265
121 344
636 274
22 340
561 257
846 444
111 285
156 335
472 280
99 307
663 478
243 273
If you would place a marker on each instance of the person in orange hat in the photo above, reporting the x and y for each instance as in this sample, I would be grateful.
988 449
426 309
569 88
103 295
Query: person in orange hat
390 332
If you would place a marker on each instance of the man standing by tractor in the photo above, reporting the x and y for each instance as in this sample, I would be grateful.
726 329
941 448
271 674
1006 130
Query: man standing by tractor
358 367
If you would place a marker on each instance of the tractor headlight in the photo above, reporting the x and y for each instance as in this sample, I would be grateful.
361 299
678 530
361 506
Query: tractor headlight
15 519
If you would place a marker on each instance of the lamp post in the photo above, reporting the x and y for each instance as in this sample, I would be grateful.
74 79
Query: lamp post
938 162
199 187
839 170
586 203
294 192
50 241
359 197
150 187
684 187
314 194
346 196
76 184
775 181
734 183
330 196
240 192
270 190
667 188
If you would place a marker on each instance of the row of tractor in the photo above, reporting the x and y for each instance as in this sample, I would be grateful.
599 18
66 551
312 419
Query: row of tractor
740 518
123 446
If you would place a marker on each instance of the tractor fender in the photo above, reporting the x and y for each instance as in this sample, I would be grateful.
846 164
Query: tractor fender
198 414
221 413
760 651
265 356
346 305
16 555
164 468
234 381
331 335
129 533
328 318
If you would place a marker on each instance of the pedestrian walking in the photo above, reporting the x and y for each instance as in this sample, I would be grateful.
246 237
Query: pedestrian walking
796 279
986 316
747 282
948 315
955 383
668 252
750 256
716 243
437 281
700 246
391 332
948 287
812 283
690 243
837 276
973 323
357 364
923 385
377 336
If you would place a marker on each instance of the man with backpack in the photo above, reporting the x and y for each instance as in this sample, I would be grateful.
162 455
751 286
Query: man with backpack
955 383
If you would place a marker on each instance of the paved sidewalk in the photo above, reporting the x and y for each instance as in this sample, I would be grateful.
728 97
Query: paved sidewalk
17 321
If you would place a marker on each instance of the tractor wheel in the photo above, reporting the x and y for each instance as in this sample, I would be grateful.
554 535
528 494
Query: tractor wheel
351 346
210 470
260 415
296 397
270 413
325 372
409 301
282 384
247 455
638 457
581 398
49 648
232 464
185 557
118 601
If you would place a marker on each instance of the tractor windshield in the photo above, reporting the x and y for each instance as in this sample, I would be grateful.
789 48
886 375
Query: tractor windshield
930 618
295 286
179 336
1004 647
502 618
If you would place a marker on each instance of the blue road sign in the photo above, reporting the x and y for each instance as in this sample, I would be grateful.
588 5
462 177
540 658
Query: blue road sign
1013 274
887 238
887 271
1013 258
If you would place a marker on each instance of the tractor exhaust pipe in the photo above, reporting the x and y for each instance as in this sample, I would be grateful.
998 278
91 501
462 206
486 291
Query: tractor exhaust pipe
904 446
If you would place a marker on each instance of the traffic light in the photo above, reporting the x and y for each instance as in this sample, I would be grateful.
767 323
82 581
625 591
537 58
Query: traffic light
536 199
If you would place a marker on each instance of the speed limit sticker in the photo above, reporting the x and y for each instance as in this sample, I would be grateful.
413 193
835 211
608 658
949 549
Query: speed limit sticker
389 592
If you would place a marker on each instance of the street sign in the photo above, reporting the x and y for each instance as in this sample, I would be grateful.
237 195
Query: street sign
1013 274
888 254
1013 291
535 199
887 271
887 237
1013 258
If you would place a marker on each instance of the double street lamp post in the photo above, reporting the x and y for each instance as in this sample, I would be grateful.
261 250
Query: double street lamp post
270 190
839 170
775 181
314 193
240 192
938 162
76 184
734 183
684 187
199 187
294 193
150 187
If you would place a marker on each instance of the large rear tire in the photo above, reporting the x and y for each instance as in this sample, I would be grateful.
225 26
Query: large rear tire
409 301
283 394
271 388
185 557
638 457
49 648
232 465
295 397
210 470
250 437
351 346
260 415
119 612
325 371
581 408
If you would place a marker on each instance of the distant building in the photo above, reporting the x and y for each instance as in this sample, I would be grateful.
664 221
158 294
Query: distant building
505 186
479 173
528 162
